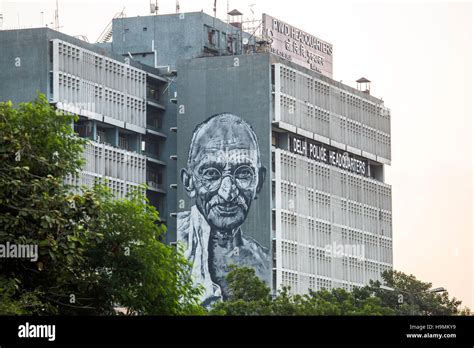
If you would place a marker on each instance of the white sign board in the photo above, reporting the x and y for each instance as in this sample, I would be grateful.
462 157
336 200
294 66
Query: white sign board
298 46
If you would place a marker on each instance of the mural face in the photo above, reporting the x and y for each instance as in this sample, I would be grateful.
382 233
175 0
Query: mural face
223 176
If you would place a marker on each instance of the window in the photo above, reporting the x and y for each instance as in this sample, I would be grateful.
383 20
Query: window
123 143
273 221
274 139
223 41
212 37
51 84
156 122
159 178
153 92
101 136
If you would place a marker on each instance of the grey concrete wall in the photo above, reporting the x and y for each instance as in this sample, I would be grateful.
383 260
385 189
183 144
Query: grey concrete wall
173 37
24 64
176 36
169 148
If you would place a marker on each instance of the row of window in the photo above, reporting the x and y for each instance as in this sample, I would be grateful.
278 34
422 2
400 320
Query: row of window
120 188
112 162
90 58
98 84
354 274
100 99
337 127
309 174
305 91
220 40
296 225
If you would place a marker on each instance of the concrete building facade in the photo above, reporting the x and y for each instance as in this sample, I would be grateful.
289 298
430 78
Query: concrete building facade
307 191
332 218
113 97
331 222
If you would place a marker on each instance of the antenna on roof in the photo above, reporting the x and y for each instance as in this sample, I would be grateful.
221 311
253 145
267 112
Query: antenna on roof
56 17
154 7
177 6
215 8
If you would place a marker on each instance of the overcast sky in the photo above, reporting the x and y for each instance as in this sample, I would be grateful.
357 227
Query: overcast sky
419 59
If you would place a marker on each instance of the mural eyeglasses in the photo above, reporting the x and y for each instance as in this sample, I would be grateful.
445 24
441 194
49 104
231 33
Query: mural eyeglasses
243 176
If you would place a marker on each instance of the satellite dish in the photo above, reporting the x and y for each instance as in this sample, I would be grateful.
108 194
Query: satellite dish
245 41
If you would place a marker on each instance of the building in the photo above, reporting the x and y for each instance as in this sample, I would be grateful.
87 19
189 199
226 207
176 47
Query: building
117 102
332 216
326 212
254 155
324 204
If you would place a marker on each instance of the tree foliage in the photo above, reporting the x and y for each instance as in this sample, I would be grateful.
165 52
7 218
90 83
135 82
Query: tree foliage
95 252
411 296
132 267
250 296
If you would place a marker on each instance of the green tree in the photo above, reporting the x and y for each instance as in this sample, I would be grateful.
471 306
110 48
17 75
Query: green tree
250 296
411 296
465 311
131 266
37 150
334 302
95 252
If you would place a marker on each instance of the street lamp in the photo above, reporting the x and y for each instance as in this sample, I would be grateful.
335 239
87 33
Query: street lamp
412 295
440 289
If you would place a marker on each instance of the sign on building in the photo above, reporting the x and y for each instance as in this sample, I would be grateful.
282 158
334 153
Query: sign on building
329 155
298 46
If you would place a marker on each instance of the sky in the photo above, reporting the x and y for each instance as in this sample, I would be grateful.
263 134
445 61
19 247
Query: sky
418 56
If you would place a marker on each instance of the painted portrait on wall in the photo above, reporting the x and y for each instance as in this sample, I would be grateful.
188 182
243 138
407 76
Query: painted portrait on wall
223 176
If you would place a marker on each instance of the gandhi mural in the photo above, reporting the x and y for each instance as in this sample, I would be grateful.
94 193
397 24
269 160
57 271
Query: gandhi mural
223 176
